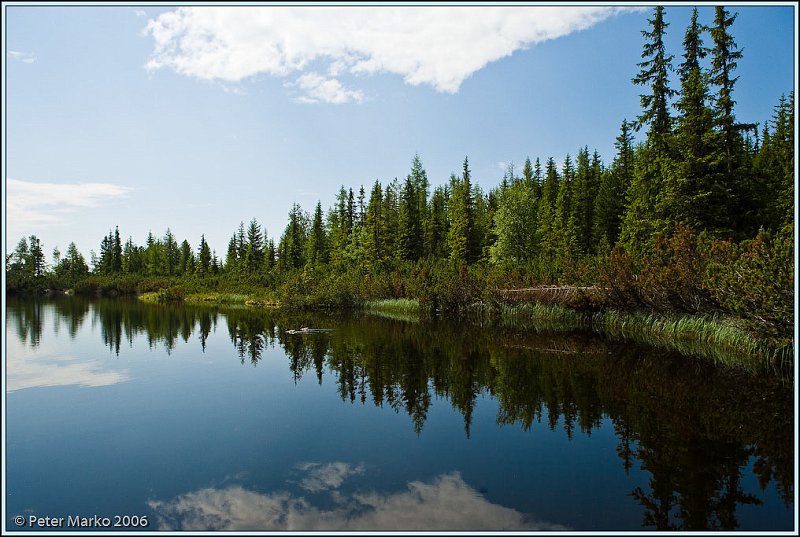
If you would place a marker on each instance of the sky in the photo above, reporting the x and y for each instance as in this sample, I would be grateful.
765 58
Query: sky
197 118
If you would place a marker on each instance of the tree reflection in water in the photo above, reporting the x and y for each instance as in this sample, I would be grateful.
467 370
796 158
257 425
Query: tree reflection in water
692 426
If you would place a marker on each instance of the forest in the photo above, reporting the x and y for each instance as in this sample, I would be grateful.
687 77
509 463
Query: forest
695 219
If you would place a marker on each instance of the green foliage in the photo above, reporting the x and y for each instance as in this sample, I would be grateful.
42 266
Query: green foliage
609 204
441 287
461 240
515 226
755 280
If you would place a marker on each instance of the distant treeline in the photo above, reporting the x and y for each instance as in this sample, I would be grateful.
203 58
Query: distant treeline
696 218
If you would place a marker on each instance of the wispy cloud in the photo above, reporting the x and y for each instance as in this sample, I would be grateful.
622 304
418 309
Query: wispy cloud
31 204
446 503
24 57
317 88
437 46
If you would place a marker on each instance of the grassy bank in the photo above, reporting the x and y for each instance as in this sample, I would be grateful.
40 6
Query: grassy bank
163 296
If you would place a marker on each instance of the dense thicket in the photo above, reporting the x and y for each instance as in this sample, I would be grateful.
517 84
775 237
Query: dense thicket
697 217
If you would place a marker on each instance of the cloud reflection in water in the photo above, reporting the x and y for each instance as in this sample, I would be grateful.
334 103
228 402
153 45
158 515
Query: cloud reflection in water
58 370
445 503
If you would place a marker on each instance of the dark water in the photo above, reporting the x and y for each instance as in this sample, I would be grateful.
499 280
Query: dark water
204 418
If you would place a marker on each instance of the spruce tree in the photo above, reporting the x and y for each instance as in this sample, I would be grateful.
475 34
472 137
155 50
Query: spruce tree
614 183
339 228
203 258
565 225
390 218
420 179
583 195
723 62
171 256
527 171
294 239
373 225
655 75
409 233
703 198
460 237
254 248
232 256
436 234
187 263
116 253
316 244
151 254
547 210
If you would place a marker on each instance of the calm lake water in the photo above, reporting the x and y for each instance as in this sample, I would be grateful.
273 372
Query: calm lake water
210 418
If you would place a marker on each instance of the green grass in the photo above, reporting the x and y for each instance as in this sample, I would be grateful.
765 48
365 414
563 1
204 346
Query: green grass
723 340
217 298
401 309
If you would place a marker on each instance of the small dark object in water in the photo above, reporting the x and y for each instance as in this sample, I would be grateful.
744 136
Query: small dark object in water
307 330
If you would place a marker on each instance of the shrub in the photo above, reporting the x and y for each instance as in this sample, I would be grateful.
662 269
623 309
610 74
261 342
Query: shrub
755 280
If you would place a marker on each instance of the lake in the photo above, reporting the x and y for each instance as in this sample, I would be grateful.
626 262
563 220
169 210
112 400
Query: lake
180 417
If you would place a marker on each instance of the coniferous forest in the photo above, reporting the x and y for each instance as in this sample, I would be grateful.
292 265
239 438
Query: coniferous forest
696 219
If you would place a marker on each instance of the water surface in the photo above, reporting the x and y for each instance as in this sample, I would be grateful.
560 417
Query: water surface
207 418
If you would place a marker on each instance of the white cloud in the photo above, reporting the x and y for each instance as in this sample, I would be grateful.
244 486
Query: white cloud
447 503
318 88
433 45
30 204
24 57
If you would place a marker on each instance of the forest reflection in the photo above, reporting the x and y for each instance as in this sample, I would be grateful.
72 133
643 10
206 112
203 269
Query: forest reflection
694 428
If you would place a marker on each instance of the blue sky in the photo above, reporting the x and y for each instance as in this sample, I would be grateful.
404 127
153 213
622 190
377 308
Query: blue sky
197 118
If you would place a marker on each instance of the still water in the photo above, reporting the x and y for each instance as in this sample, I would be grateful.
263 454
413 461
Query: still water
209 418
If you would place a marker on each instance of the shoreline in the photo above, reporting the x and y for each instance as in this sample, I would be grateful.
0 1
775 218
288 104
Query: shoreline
720 339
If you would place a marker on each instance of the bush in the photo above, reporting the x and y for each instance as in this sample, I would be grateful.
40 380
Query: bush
170 294
442 287
755 280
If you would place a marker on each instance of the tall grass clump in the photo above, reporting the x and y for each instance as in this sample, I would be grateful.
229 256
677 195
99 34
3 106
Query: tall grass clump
403 309
722 340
